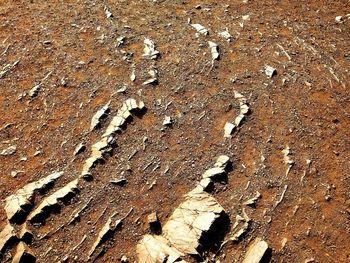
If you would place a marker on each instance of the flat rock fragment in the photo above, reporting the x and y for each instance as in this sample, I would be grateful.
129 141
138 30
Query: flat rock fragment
200 29
9 150
228 129
17 203
23 254
100 114
270 71
155 249
214 172
225 34
53 199
79 149
256 251
167 121
109 227
213 50
190 220
6 237
149 49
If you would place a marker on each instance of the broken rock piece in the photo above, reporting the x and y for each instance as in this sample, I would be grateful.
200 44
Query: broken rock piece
200 29
9 151
109 226
100 114
53 199
270 71
214 50
17 203
167 121
225 34
190 220
149 49
23 254
7 235
228 129
252 201
154 249
256 251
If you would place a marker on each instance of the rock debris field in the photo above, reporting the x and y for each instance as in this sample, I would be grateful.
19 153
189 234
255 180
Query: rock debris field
175 131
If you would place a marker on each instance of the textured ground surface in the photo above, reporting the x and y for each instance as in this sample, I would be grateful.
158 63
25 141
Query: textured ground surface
305 106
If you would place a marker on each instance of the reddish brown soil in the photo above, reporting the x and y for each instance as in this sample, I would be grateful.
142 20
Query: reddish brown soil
305 106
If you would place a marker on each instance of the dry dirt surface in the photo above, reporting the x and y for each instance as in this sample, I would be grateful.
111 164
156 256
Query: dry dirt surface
280 67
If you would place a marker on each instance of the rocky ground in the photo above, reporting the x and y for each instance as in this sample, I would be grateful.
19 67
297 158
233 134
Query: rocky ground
265 83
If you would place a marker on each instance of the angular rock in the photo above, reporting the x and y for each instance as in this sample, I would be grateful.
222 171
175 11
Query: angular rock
23 254
228 129
167 121
79 149
200 29
109 226
9 151
225 34
214 172
190 220
7 235
270 71
214 50
222 161
149 49
53 199
16 203
100 114
256 251
155 249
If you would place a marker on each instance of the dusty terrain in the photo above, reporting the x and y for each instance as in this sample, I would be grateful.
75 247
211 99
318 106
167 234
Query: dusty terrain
304 209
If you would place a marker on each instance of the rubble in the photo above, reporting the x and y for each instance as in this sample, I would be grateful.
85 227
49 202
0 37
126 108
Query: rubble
100 114
214 50
23 254
200 29
256 251
18 202
149 49
270 71
53 199
9 150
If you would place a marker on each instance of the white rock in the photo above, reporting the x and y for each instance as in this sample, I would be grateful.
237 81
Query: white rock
228 129
225 34
153 249
53 199
213 172
167 121
256 251
270 71
214 50
17 202
9 150
194 216
339 19
23 254
200 29
95 121
149 49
